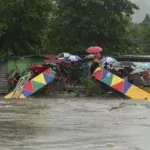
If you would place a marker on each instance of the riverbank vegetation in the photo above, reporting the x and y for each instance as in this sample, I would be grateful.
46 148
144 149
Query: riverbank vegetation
53 26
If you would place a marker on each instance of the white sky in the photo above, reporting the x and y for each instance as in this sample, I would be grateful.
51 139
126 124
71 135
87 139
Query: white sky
144 9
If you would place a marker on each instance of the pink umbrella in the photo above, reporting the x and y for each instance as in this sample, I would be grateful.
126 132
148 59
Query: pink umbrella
94 50
97 55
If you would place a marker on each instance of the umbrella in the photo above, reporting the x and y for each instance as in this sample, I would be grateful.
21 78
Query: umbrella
37 68
136 71
90 56
109 60
124 64
56 61
148 65
142 65
128 64
94 50
63 55
74 58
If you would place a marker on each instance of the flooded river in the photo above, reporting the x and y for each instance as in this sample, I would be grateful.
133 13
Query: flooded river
74 124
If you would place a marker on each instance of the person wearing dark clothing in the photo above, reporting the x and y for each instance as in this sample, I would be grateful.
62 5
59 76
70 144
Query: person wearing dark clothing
94 66
76 72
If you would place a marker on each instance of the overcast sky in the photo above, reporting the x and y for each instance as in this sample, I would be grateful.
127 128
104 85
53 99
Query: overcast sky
144 9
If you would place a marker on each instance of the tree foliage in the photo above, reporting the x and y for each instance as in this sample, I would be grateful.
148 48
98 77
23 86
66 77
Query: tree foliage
31 27
23 25
82 23
141 35
146 21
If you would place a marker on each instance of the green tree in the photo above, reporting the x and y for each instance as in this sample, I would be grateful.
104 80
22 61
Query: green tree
146 21
82 23
23 26
140 35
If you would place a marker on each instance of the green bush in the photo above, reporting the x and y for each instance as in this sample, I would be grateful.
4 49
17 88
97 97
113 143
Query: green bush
93 87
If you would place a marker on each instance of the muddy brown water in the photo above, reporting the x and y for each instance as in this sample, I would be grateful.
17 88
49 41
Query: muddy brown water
74 124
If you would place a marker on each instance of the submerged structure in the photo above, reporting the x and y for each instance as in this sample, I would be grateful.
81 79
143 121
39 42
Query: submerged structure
120 85
35 73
